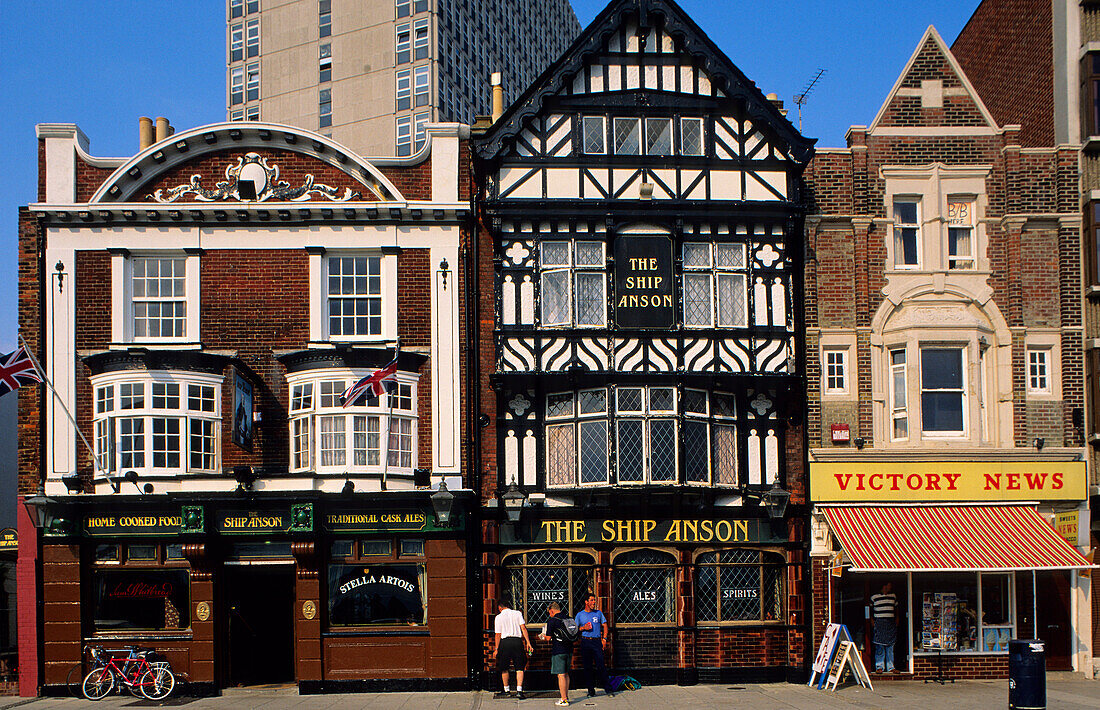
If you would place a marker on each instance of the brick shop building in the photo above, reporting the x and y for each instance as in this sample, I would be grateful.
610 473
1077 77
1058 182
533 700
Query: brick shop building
945 377
641 384
1054 103
200 309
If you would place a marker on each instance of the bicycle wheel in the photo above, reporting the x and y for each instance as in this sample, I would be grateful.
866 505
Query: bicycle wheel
74 680
98 683
157 683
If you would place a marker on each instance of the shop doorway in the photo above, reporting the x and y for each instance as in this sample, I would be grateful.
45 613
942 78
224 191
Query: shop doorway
260 600
854 601
1052 589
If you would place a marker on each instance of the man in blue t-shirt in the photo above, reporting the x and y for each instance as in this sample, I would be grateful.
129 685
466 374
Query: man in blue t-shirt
593 626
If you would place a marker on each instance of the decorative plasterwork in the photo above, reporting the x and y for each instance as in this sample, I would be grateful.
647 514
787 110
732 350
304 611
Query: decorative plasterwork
252 179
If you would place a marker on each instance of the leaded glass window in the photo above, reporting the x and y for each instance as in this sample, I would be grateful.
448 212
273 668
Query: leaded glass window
628 138
537 578
658 136
739 585
576 438
714 285
595 141
643 584
691 136
573 284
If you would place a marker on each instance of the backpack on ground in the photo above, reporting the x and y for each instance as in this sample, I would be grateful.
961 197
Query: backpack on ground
568 632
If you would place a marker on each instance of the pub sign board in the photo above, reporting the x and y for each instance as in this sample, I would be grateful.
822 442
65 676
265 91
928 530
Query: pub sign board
645 292
368 521
237 522
612 530
129 524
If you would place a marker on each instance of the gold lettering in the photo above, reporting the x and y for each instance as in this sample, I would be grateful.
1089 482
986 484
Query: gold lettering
741 530
608 534
547 530
624 530
578 531
692 527
650 525
723 530
673 534
706 531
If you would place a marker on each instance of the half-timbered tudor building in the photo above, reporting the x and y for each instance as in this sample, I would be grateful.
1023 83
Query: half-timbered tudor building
200 308
945 374
641 315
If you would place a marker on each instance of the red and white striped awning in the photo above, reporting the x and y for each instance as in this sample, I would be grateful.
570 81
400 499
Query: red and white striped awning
941 538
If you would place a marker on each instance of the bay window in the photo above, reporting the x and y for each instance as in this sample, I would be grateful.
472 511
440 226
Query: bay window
157 422
649 428
374 434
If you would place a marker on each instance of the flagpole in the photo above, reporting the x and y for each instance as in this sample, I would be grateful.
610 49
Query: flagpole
389 418
61 401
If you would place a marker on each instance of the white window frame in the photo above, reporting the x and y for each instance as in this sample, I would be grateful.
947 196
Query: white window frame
591 120
318 311
833 358
403 136
965 393
961 218
108 413
252 113
236 42
573 424
252 82
647 416
421 40
252 38
898 368
236 85
304 423
324 108
403 77
420 130
715 271
1039 371
402 51
422 85
122 299
702 137
898 228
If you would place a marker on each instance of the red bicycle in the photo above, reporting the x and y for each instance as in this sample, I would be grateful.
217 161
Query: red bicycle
135 672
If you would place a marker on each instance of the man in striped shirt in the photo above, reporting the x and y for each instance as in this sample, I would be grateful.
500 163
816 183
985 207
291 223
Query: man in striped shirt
884 621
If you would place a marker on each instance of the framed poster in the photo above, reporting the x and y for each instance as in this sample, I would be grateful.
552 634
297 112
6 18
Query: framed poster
242 412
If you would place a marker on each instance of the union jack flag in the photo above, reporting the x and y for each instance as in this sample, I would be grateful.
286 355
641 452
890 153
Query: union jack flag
372 382
17 369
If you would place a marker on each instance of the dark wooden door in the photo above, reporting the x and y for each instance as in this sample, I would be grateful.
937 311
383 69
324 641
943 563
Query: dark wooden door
1053 614
260 601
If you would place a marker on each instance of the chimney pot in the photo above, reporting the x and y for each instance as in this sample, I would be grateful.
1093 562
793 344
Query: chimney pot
145 132
162 128
498 95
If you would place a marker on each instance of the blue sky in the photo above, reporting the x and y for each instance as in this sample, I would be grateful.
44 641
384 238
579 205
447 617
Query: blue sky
102 63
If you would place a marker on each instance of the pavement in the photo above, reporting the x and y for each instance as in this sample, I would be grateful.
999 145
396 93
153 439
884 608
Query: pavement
1064 692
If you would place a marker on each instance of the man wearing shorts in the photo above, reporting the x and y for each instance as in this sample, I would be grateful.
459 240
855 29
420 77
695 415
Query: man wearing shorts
512 645
561 652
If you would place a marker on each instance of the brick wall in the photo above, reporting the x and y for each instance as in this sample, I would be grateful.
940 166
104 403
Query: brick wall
1001 37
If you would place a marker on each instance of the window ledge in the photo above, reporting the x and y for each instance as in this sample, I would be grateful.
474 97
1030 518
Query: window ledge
1092 292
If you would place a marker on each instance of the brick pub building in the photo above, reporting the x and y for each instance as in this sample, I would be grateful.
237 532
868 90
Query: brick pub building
641 387
200 308
945 375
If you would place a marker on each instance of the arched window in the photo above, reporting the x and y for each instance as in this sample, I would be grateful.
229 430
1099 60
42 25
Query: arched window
644 585
739 585
538 578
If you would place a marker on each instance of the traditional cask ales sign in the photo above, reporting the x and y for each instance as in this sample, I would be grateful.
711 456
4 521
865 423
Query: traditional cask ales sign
569 532
366 521
921 481
644 288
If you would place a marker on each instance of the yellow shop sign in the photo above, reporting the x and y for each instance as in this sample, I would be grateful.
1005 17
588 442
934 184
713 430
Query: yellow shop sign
919 481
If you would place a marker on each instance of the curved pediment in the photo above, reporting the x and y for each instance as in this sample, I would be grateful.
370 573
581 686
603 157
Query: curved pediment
246 163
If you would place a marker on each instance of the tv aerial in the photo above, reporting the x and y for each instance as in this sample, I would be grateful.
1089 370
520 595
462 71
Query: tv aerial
800 99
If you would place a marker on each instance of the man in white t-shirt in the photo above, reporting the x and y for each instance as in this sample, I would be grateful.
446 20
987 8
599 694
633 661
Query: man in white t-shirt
512 644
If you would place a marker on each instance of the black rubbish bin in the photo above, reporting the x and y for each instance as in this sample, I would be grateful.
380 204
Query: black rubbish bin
1027 675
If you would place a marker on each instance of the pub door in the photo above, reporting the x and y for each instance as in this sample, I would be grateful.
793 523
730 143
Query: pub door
1052 589
260 603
